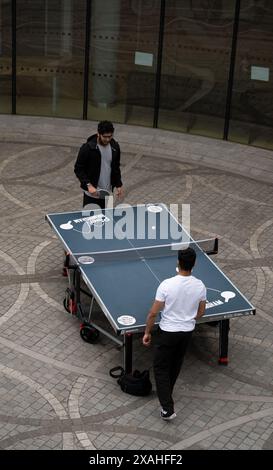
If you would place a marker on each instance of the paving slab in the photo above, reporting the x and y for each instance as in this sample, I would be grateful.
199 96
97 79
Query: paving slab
56 392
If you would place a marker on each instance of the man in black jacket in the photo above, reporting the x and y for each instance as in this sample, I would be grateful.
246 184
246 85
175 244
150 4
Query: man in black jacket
98 165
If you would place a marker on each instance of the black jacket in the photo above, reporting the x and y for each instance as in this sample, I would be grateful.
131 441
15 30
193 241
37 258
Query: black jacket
88 163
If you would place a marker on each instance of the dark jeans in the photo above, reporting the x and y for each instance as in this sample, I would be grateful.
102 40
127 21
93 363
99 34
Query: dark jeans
86 200
91 200
170 349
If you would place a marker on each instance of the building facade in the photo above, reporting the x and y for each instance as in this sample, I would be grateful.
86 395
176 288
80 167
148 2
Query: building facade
199 66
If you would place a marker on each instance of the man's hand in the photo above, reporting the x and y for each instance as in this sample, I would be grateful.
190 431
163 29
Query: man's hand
147 338
120 192
91 189
156 307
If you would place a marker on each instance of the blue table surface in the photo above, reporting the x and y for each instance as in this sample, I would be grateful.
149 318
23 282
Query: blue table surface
127 286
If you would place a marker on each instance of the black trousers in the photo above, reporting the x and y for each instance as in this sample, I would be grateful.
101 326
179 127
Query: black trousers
91 200
86 200
170 349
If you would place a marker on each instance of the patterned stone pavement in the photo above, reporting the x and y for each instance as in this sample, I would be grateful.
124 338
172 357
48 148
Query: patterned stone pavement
55 390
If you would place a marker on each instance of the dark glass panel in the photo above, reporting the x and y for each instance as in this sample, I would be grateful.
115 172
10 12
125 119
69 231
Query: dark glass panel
252 112
5 56
123 60
50 57
195 65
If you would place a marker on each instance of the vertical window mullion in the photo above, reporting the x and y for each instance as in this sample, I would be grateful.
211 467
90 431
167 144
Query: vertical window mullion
13 57
231 68
159 63
86 59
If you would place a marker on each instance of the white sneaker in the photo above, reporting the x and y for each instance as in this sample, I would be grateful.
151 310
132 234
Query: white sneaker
167 416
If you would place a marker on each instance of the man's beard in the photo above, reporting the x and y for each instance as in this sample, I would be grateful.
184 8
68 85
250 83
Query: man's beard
104 144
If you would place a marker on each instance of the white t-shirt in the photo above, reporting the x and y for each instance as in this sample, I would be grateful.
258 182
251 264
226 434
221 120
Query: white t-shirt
182 295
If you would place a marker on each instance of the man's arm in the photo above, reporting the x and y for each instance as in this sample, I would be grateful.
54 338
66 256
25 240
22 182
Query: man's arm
116 174
155 309
80 167
116 171
201 309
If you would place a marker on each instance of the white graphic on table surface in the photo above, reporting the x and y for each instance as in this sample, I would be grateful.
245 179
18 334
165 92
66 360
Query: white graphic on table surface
154 208
86 260
227 295
88 222
67 226
126 320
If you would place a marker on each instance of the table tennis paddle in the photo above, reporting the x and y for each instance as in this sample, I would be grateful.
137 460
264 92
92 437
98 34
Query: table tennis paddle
99 194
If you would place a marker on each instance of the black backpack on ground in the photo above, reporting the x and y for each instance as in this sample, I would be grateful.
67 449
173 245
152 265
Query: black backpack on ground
136 383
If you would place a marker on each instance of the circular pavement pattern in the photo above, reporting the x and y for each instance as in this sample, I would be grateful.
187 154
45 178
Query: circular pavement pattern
56 392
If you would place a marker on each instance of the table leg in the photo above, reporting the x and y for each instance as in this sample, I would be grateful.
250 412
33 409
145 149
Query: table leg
77 284
223 342
128 353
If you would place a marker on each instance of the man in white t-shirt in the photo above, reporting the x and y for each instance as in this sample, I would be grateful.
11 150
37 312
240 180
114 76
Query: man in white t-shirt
181 300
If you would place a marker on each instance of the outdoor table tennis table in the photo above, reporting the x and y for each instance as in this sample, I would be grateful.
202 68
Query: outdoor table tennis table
123 254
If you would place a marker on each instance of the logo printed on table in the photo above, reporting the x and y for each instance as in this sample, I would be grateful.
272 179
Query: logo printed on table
86 260
99 219
126 320
67 226
227 295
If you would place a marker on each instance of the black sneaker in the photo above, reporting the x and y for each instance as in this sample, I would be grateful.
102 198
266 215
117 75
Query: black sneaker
167 415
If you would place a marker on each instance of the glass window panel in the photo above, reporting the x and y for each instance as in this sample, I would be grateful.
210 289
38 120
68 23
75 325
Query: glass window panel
5 56
252 112
50 57
123 60
195 65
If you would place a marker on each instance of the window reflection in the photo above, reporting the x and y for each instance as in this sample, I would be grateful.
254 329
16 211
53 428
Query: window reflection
50 57
195 67
123 54
123 59
5 56
252 115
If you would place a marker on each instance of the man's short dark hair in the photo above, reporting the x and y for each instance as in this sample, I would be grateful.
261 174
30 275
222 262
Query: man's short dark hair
105 127
186 258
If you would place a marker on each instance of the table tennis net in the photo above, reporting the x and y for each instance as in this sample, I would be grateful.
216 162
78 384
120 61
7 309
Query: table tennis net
209 246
